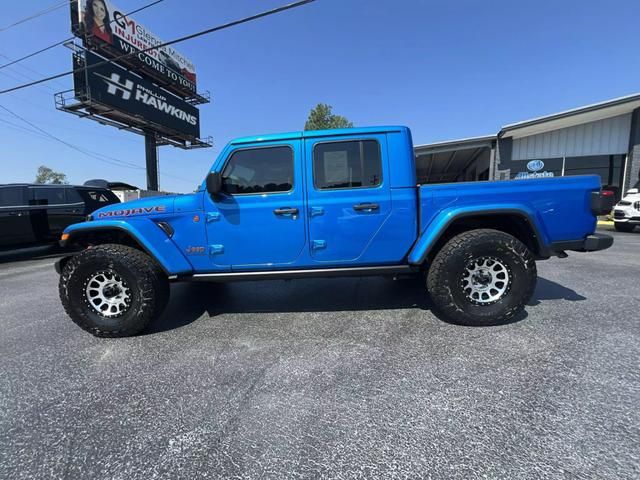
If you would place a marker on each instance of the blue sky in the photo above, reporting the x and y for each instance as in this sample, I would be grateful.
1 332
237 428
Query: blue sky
447 69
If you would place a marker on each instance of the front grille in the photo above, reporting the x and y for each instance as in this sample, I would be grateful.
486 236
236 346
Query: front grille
636 205
618 214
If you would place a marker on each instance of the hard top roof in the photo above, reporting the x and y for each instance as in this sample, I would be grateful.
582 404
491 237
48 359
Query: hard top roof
273 137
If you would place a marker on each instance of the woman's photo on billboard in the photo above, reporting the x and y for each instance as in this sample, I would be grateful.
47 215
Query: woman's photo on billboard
97 21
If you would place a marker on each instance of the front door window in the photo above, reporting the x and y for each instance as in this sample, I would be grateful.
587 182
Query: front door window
259 170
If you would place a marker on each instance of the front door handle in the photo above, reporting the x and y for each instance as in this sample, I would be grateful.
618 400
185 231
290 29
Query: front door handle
286 211
366 206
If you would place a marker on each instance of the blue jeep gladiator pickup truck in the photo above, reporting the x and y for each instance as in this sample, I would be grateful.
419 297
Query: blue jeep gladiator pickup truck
328 203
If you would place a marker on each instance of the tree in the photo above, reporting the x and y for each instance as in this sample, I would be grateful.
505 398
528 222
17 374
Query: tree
321 118
46 175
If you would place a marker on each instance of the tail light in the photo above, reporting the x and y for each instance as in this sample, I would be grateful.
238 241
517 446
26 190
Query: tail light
602 202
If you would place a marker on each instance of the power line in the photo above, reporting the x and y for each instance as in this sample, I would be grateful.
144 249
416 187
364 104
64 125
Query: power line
36 15
172 42
96 155
58 125
21 128
37 52
21 77
24 67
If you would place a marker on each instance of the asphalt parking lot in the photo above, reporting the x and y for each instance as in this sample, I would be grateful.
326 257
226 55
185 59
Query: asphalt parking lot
336 378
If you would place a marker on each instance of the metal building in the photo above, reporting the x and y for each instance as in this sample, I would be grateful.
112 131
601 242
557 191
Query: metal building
602 139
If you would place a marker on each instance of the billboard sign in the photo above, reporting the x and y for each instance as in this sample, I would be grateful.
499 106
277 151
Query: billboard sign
104 26
127 93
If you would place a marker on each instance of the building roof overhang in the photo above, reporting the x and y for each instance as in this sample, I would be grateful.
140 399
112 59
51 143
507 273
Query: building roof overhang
570 118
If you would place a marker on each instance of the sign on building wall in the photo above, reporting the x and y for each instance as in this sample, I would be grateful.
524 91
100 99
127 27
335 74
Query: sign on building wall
115 87
536 169
104 26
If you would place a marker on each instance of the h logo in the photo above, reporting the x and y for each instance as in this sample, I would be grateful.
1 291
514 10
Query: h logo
115 85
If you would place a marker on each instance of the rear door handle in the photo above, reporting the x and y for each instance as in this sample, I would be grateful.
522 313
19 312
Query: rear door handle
286 211
366 206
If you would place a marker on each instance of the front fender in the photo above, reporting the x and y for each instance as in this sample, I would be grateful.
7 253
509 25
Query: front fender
433 231
146 233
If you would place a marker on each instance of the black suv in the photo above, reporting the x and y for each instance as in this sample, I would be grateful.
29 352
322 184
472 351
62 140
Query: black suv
37 214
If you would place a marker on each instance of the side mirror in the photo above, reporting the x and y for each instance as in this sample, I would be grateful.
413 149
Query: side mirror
214 183
633 191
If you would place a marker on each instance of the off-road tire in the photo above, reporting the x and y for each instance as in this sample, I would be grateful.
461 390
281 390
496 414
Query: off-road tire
624 227
445 274
148 285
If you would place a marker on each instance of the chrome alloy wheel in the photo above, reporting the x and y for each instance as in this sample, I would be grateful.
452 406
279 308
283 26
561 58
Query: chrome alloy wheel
108 294
485 280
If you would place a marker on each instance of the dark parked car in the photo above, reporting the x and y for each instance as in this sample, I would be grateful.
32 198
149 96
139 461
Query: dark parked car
37 214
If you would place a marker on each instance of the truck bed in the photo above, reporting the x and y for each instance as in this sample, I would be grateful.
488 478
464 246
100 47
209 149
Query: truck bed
559 207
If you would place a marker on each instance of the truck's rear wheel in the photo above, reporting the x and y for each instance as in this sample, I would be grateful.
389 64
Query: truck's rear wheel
482 277
113 290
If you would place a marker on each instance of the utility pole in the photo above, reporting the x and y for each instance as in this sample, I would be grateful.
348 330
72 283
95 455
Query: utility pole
151 155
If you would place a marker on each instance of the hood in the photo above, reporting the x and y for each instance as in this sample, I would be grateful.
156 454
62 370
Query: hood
629 199
634 197
136 208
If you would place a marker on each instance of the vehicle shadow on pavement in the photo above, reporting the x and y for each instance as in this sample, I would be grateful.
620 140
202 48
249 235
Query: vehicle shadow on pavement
549 290
190 301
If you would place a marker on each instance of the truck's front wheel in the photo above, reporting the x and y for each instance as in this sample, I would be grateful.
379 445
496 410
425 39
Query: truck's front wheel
482 277
113 290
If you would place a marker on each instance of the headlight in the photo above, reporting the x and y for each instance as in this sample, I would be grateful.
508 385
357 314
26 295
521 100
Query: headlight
88 218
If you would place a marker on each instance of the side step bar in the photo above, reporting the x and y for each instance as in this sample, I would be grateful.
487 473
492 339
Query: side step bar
309 273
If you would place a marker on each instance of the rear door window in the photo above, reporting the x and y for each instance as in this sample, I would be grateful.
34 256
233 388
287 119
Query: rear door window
349 164
47 196
73 196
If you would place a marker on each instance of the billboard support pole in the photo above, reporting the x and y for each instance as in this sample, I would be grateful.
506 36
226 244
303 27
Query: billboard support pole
151 155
